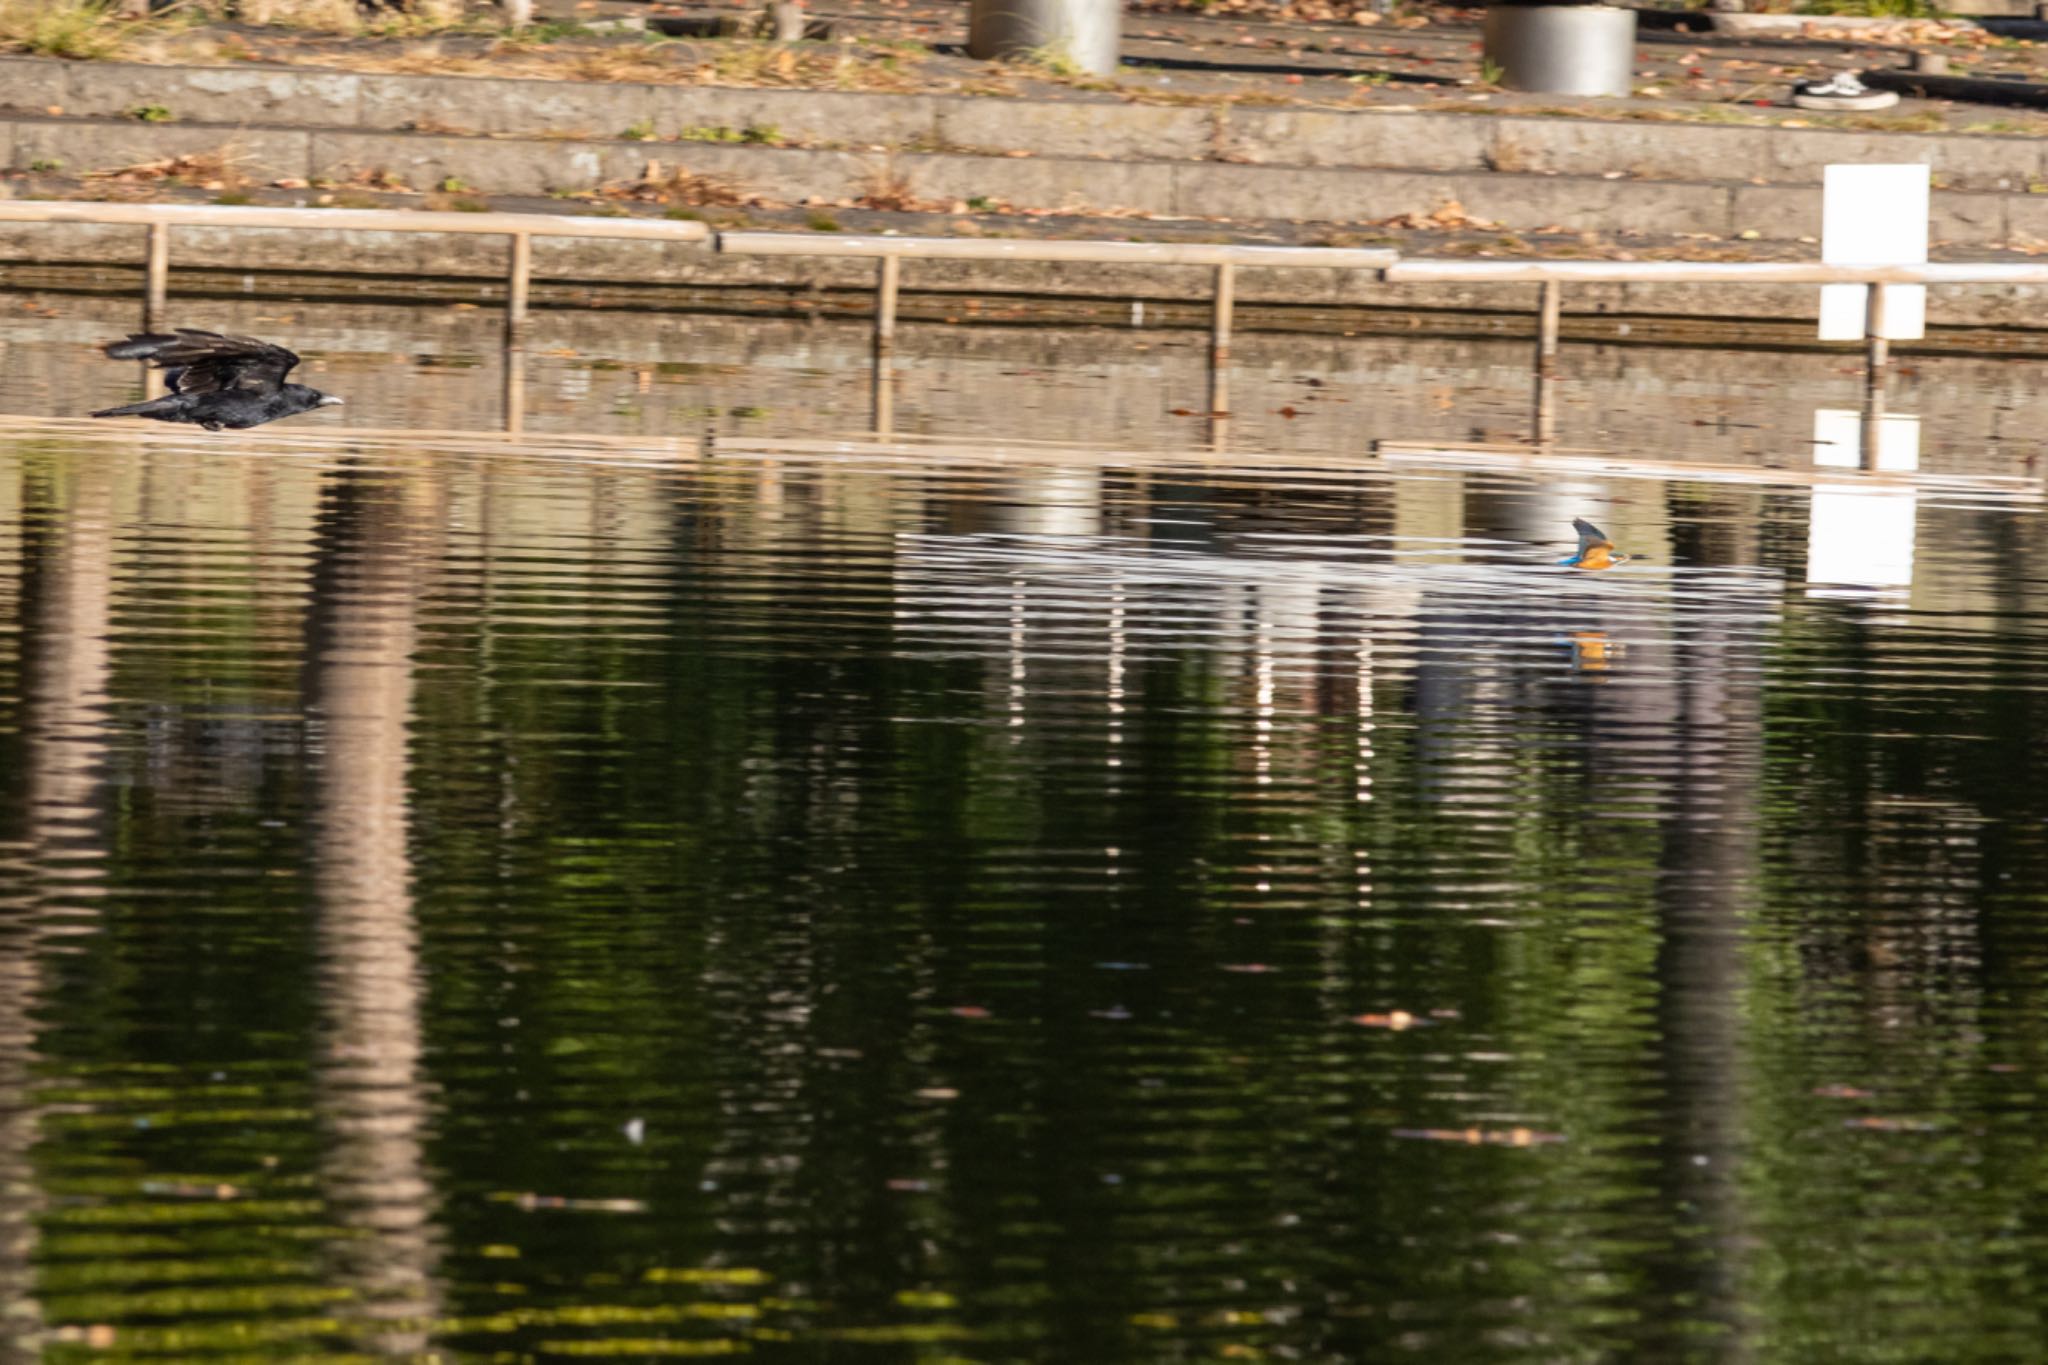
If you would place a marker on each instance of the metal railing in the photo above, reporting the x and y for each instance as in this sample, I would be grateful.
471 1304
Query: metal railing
519 228
1712 272
889 250
1385 266
1224 257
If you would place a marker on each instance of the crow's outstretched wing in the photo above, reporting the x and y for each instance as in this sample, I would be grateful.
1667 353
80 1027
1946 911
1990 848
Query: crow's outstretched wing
1590 536
207 362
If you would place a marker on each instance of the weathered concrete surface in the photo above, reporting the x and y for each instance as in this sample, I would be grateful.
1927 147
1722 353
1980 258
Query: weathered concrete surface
622 274
36 84
1315 137
272 95
1084 126
2026 218
1091 129
1183 189
425 162
1051 182
262 154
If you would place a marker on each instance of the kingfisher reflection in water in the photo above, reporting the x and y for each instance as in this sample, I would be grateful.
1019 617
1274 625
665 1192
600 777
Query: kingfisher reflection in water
1595 550
1594 652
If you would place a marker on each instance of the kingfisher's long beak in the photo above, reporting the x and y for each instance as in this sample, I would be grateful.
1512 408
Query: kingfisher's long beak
328 400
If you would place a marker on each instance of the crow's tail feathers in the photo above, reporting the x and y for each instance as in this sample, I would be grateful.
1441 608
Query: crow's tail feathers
154 407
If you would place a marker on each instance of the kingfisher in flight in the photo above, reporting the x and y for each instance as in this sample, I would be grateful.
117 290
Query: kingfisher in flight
1595 550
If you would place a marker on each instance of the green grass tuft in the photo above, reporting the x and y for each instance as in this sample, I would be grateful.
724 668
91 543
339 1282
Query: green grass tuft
79 29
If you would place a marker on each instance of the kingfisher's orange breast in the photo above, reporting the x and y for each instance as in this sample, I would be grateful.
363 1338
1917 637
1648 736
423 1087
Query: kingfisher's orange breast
1600 556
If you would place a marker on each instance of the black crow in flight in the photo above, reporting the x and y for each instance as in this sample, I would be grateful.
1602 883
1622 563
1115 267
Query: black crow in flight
217 381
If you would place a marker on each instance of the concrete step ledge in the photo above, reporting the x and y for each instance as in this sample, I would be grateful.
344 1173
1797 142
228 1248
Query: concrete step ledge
1086 127
1196 190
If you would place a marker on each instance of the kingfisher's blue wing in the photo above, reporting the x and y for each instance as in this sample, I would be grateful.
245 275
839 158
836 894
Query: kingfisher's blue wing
1589 536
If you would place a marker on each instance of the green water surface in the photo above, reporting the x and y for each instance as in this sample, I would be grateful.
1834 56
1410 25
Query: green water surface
485 901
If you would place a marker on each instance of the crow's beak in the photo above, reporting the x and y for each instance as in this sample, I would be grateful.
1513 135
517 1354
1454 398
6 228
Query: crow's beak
328 400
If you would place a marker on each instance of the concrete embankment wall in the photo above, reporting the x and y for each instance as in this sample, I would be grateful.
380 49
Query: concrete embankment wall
1335 194
663 376
1087 126
1324 166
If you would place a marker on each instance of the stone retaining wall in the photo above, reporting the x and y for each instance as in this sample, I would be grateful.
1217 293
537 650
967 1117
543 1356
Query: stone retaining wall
1185 189
1087 125
1089 153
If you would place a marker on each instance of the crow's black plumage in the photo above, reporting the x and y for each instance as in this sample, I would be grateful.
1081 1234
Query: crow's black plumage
216 381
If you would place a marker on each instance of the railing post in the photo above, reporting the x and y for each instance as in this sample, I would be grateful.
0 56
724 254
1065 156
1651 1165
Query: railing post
515 389
1874 329
518 286
1219 340
1549 314
1874 372
157 278
156 294
885 401
888 279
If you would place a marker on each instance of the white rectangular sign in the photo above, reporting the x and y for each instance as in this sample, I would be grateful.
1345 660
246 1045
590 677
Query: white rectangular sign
1874 215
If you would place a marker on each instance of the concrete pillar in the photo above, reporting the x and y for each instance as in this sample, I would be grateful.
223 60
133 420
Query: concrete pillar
1562 49
1084 34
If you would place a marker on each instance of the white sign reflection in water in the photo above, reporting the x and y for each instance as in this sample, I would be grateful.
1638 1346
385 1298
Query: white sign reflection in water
1861 536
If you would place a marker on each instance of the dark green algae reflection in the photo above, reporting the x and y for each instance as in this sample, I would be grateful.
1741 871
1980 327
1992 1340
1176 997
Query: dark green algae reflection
480 906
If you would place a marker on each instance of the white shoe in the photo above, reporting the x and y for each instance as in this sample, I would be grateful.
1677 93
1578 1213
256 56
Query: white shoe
1842 91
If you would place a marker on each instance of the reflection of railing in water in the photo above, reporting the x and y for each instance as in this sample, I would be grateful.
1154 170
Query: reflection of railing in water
1477 458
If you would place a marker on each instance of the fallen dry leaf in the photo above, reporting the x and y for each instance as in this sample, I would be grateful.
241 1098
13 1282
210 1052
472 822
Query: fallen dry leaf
1482 1137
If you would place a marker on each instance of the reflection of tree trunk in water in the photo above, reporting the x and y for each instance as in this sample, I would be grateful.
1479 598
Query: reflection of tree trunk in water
21 1318
359 685
1706 884
65 605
